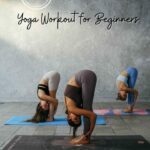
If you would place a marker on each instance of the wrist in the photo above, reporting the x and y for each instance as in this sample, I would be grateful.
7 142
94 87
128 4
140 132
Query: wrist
87 136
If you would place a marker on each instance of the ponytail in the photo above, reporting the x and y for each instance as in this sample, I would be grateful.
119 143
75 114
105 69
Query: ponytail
75 126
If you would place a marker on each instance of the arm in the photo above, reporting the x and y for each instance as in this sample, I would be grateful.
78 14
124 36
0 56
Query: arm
130 90
91 115
123 87
47 98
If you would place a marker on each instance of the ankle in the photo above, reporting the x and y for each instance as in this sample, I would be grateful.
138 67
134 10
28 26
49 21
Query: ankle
131 107
50 119
128 109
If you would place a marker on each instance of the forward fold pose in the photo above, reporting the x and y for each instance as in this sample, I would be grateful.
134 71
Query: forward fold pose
125 84
78 97
46 92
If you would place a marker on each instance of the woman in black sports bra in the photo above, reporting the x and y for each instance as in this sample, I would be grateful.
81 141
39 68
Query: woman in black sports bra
78 97
46 92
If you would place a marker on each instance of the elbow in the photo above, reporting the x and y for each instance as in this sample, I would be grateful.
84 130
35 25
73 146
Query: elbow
71 109
122 89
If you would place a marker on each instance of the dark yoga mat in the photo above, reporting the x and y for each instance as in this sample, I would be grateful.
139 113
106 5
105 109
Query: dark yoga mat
24 142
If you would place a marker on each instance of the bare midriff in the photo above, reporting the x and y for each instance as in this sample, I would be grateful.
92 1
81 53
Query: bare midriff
73 82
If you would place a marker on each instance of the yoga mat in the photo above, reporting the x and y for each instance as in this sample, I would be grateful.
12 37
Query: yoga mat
59 120
119 112
25 142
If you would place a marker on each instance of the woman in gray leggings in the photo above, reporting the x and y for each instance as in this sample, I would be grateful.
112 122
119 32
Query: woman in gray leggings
79 95
46 93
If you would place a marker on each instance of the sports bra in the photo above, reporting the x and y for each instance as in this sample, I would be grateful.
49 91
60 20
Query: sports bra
44 88
123 79
75 94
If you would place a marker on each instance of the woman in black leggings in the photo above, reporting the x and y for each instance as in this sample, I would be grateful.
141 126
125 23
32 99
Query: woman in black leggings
79 95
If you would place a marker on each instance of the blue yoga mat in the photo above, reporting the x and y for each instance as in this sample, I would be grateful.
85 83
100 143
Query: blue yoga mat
59 120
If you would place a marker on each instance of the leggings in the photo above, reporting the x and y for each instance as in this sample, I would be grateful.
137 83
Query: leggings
53 79
132 76
87 81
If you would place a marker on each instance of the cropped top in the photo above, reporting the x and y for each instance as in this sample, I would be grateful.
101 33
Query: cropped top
75 94
123 79
43 88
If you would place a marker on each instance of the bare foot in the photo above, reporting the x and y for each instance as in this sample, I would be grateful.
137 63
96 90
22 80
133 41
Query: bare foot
50 119
80 140
76 138
128 109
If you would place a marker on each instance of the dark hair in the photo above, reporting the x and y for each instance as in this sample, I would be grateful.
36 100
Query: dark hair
41 115
74 125
119 97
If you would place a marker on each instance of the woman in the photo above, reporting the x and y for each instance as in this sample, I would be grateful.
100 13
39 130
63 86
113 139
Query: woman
46 92
79 95
125 84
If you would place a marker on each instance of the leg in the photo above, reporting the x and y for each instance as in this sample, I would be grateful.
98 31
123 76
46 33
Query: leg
53 94
88 89
87 80
133 73
51 113
53 86
52 108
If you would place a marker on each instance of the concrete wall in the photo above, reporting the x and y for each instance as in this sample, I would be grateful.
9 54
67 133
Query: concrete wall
26 54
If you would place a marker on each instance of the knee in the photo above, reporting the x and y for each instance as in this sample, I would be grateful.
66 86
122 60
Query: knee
136 71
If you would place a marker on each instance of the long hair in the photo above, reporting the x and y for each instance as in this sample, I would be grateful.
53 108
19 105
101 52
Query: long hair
41 115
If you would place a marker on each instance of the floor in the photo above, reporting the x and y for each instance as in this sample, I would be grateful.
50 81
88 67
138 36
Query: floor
116 125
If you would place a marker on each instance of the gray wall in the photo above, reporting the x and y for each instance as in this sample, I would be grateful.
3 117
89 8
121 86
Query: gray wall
26 54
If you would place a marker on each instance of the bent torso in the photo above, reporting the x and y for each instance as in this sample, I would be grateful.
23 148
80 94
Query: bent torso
73 82
121 84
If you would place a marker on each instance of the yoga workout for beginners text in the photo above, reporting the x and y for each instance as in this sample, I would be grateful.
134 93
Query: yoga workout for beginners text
74 17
